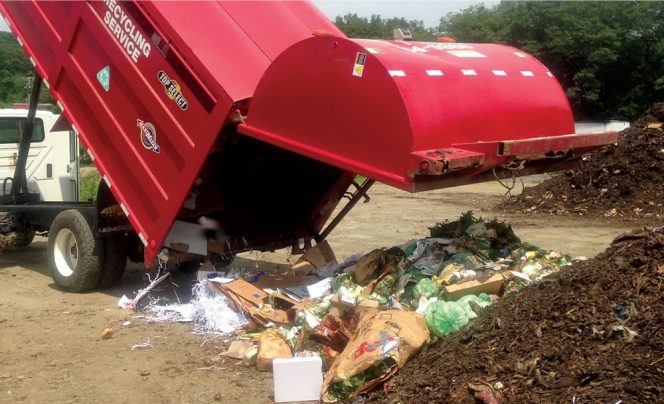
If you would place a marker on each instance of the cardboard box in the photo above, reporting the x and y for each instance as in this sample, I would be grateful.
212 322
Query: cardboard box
490 286
314 259
274 281
246 291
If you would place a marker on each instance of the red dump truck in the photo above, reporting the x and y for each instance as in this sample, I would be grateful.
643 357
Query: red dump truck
258 117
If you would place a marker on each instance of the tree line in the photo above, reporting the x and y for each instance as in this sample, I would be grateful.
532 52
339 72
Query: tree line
16 75
608 56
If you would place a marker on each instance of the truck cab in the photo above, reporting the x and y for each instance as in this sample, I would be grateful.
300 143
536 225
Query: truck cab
52 165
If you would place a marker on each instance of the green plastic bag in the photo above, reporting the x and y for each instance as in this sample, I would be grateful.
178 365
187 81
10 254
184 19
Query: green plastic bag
425 287
443 318
482 300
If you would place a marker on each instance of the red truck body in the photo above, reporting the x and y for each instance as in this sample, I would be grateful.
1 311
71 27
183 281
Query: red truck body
152 87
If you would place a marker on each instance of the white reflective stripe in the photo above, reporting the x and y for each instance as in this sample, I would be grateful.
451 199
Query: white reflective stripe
549 74
469 72
19 41
107 181
143 240
527 73
34 64
46 84
75 129
124 209
434 73
92 156
62 108
499 72
398 73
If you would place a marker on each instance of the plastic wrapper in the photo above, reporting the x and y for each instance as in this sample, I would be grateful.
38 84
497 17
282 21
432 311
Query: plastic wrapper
331 332
384 288
343 280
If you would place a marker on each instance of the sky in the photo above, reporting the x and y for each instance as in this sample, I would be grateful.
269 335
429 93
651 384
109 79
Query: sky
429 11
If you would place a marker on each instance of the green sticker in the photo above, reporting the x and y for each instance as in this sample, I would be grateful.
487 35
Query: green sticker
104 77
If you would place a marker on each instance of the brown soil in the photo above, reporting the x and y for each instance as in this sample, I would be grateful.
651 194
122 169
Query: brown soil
557 340
624 180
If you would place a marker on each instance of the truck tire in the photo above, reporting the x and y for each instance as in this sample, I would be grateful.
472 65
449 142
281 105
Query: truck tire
73 252
15 231
115 260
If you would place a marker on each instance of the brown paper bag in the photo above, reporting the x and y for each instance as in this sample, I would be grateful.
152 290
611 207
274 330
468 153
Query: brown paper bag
369 266
272 345
383 342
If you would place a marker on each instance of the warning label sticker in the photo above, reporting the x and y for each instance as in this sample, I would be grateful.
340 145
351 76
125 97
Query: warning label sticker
360 60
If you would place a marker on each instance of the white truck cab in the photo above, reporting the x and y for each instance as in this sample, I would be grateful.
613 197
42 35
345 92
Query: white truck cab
52 165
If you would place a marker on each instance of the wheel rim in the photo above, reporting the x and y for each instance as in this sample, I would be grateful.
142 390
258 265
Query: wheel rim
65 252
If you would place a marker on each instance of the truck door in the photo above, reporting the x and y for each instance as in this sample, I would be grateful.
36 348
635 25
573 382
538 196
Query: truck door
62 184
39 167
72 166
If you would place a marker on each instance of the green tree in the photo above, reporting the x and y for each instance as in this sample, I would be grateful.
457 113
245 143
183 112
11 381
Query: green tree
16 74
609 56
375 27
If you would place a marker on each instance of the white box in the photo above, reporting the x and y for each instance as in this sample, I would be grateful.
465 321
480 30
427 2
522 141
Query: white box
297 379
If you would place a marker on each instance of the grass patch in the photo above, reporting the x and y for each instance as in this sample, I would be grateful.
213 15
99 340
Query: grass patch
89 182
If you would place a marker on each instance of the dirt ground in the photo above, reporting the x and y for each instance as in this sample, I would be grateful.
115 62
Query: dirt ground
51 348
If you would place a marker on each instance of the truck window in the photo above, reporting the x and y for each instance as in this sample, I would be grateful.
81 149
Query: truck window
10 130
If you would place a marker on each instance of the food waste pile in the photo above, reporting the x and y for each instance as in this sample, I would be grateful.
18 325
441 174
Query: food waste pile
360 320
621 180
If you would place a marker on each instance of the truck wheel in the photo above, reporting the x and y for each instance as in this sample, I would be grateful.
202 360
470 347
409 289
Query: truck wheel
15 231
73 253
115 260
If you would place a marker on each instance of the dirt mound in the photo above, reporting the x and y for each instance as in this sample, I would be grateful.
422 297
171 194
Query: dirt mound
594 331
625 180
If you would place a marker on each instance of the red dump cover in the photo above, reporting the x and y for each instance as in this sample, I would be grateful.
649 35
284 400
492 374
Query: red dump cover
399 112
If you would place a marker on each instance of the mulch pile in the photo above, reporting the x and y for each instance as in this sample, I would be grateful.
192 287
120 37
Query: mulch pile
594 331
624 180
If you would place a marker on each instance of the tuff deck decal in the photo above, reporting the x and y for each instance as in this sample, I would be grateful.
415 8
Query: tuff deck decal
148 135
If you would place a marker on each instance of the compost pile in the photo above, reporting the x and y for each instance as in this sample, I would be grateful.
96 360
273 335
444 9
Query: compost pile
592 332
624 180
